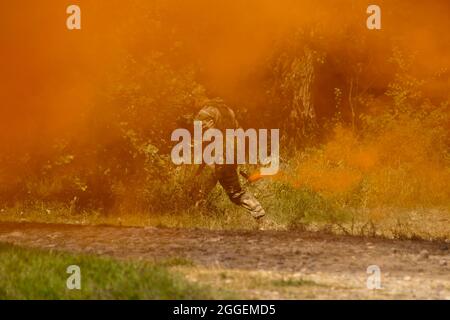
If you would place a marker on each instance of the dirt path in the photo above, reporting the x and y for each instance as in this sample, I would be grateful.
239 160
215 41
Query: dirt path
409 269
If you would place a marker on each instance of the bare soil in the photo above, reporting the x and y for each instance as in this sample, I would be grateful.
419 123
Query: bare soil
410 269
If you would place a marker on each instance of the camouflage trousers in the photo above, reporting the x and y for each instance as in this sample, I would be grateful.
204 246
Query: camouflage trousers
228 178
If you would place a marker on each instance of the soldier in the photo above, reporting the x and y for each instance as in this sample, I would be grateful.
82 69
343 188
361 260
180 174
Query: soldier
216 114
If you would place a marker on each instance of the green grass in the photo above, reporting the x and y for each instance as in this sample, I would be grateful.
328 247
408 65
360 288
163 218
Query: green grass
176 262
36 274
294 283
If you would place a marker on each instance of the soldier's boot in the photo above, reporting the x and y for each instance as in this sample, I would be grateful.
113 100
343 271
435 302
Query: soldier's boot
229 179
247 201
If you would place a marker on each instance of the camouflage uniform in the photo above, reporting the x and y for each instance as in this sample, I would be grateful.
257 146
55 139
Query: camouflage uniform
217 115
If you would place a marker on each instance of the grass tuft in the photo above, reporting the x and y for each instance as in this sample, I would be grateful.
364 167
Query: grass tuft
36 274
